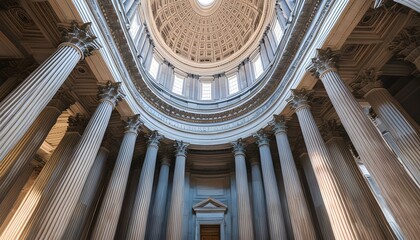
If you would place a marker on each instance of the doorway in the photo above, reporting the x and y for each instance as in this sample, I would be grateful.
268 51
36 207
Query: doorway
209 232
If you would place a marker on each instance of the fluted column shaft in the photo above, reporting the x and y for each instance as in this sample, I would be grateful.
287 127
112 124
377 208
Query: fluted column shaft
260 212
49 174
352 179
399 190
21 107
128 202
109 213
320 208
138 218
174 228
346 223
302 225
23 152
12 196
244 205
158 212
401 126
274 212
85 203
53 221
7 87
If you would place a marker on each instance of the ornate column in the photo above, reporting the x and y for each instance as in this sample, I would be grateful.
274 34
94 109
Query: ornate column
84 207
258 196
10 202
17 75
394 181
346 223
244 205
43 184
272 197
7 87
403 128
109 213
25 149
406 44
159 207
299 213
320 209
174 229
351 178
128 201
21 107
53 221
138 219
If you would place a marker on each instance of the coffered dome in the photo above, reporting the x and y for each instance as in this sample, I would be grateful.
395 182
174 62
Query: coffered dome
206 34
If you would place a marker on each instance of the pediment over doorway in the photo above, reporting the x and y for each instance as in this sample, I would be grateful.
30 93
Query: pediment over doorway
210 205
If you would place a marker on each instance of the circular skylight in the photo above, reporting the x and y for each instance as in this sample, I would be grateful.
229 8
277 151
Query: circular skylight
205 3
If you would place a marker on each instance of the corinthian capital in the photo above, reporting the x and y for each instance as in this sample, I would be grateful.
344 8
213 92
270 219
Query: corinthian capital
238 147
180 148
279 124
406 41
77 124
366 81
81 37
330 129
111 92
133 123
261 138
62 100
326 60
154 139
299 99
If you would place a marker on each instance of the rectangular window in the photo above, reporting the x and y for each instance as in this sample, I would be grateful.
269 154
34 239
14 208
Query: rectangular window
154 68
233 84
278 33
206 91
134 28
178 85
258 67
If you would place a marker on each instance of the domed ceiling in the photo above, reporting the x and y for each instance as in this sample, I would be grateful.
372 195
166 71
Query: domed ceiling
207 31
